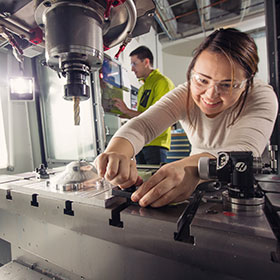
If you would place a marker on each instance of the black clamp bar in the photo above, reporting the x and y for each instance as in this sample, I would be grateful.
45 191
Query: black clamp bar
116 213
123 192
8 195
68 208
34 202
184 222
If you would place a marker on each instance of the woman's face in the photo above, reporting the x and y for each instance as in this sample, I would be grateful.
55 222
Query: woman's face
211 83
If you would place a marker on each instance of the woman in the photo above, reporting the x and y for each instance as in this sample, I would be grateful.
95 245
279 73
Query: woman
221 108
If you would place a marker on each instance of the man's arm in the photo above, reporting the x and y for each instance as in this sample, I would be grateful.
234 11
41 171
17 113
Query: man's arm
126 112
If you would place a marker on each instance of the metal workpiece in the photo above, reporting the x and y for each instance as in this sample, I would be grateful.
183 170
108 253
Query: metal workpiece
76 186
77 175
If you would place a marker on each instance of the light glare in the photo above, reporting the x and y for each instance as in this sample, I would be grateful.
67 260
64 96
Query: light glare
21 89
21 85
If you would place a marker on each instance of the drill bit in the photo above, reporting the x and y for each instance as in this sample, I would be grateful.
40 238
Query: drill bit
76 110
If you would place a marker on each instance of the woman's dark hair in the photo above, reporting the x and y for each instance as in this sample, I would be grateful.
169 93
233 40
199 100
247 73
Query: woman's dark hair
238 47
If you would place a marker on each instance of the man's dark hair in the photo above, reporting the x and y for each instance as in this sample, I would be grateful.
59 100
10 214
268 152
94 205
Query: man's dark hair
143 52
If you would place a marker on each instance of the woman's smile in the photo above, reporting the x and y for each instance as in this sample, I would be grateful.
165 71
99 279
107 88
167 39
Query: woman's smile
209 103
211 73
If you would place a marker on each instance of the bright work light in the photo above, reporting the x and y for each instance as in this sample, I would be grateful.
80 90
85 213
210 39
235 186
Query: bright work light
22 89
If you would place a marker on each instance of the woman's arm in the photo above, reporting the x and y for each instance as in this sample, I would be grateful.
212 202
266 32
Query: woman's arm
173 182
116 164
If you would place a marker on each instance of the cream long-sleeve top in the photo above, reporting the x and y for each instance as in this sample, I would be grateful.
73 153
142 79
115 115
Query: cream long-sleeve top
250 132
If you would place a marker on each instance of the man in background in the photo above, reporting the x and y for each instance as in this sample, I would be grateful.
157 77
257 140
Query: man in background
155 86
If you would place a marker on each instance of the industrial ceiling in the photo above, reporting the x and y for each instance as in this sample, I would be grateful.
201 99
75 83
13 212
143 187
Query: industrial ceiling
172 19
183 18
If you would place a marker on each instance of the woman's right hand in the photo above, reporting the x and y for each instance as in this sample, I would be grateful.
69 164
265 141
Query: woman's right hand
118 169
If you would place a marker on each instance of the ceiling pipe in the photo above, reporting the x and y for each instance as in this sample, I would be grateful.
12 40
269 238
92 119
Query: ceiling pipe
163 12
162 25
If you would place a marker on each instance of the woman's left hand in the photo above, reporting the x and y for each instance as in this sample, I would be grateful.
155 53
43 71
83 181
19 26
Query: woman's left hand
173 182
